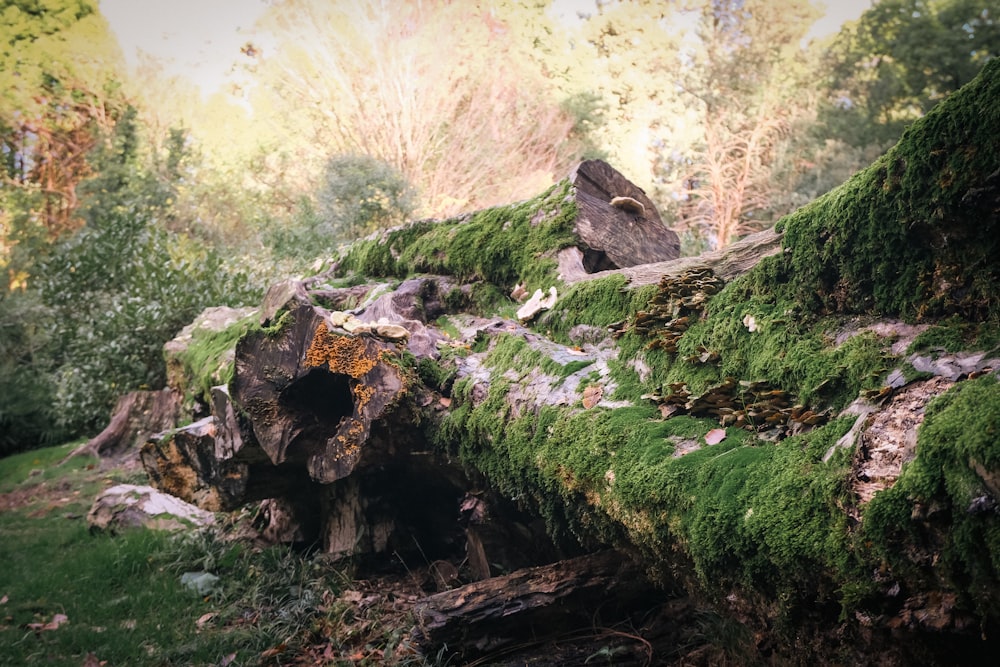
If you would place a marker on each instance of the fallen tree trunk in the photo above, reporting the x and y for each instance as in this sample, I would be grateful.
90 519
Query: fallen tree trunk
704 416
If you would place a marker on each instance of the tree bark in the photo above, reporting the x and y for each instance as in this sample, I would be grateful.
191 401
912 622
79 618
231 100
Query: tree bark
137 416
540 602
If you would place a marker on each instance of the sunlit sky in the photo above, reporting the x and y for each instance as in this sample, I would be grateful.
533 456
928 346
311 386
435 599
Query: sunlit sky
201 39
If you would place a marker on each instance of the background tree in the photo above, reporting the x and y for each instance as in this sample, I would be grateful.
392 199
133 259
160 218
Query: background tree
431 88
900 59
739 81
123 285
58 67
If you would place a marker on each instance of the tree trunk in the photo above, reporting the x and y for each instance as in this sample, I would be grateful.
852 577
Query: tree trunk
137 416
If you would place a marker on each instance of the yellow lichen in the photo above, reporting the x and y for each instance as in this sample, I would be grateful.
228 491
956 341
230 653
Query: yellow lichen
341 354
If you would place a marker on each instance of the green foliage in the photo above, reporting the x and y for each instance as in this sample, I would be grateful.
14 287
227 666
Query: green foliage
900 59
26 420
361 194
957 448
122 286
358 195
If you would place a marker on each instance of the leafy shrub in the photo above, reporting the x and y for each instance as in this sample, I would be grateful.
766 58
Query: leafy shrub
361 194
122 286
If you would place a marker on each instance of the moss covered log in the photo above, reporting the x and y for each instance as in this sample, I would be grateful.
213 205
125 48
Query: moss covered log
800 432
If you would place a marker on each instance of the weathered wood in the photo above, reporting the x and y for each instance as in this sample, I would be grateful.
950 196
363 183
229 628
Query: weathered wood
137 416
311 391
617 236
536 602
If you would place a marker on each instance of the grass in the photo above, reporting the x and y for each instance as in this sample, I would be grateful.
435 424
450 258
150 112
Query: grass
122 594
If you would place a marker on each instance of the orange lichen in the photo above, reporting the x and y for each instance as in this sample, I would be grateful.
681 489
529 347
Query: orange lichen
341 354
362 394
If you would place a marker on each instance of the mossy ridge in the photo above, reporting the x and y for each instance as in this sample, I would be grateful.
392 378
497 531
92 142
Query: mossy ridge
503 245
954 334
600 302
913 235
789 351
763 517
208 359
955 474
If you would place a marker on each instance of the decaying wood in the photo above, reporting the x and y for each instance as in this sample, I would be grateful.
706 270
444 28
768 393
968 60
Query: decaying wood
614 232
137 416
726 263
537 602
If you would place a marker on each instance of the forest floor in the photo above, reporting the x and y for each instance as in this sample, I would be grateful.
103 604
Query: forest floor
69 596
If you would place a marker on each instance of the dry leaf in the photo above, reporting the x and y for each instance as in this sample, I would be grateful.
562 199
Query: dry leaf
715 436
205 618
271 652
226 661
444 401
592 395
57 620
4 599
91 661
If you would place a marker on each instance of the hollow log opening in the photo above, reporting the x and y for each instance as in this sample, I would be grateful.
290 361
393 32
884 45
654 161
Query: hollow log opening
320 400
597 260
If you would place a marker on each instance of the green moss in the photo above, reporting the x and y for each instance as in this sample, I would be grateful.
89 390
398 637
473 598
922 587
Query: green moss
913 235
956 470
956 335
761 516
596 303
434 375
207 361
503 246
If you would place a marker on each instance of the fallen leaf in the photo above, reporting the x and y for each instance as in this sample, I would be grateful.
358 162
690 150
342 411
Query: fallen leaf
592 395
271 652
445 401
57 620
715 436
90 660
226 661
4 599
205 618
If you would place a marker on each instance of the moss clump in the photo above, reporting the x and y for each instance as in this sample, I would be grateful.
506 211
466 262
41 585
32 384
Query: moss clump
914 235
503 246
956 335
957 475
784 349
207 361
597 303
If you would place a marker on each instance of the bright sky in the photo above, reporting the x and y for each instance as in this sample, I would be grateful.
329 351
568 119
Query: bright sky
197 39
201 39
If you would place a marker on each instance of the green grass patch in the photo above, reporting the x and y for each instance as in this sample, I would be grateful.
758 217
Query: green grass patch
122 595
